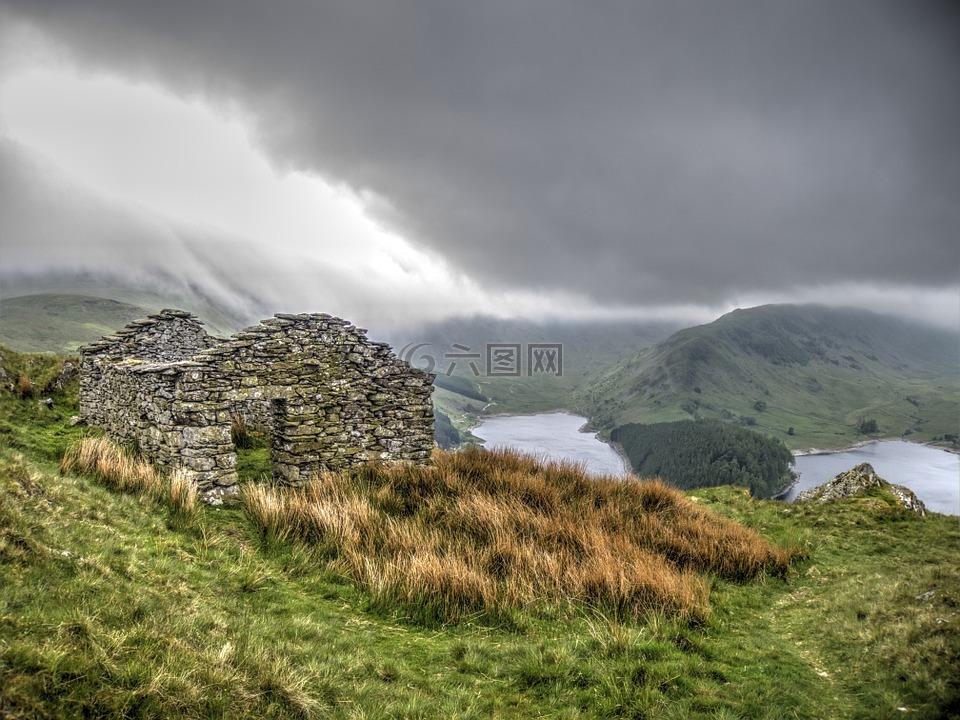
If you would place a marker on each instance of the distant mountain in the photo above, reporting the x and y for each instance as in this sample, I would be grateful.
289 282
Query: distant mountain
223 313
61 322
811 375
468 385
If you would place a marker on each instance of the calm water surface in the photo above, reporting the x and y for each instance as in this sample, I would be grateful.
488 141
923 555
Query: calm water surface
555 436
934 475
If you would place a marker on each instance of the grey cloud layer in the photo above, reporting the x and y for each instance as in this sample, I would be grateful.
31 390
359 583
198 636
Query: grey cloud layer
636 152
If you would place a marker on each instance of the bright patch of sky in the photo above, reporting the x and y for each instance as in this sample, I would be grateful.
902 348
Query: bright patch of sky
149 149
157 154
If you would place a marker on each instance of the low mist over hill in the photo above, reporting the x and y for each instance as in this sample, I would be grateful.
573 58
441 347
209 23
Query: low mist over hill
62 322
808 374
461 351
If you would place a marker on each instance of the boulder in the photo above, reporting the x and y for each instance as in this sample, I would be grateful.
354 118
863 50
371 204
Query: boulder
856 482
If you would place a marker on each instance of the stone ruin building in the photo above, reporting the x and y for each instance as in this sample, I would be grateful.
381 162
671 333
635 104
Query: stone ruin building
327 397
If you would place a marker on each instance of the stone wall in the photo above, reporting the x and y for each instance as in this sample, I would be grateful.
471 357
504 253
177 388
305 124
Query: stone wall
169 336
328 397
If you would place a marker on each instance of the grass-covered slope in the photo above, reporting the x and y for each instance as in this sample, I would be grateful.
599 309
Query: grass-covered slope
809 375
126 604
61 323
468 392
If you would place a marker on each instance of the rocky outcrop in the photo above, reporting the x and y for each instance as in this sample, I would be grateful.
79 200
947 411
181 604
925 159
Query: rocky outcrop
856 482
67 373
327 397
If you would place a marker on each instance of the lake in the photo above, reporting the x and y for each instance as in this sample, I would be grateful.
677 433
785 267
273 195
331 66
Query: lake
933 474
555 436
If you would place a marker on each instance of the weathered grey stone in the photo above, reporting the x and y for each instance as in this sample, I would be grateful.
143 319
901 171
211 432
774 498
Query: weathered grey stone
856 482
327 396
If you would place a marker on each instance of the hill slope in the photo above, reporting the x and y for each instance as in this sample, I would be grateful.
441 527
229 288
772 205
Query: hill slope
35 318
817 370
61 323
114 605
469 391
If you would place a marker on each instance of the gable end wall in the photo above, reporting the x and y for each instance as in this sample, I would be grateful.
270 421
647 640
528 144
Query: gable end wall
329 397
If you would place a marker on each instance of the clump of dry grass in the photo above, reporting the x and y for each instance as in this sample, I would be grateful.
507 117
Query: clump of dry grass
25 387
490 531
182 494
239 432
102 459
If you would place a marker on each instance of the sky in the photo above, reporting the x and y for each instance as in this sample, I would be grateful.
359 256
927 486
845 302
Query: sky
398 162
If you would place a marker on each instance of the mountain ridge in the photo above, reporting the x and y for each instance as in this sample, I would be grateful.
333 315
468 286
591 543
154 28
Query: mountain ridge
808 374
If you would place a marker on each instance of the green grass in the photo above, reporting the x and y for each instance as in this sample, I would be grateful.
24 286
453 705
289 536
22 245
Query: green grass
111 606
29 424
815 370
60 322
858 613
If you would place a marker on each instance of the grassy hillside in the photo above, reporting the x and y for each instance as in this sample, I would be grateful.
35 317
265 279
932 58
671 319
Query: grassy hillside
61 323
131 604
62 314
587 350
816 370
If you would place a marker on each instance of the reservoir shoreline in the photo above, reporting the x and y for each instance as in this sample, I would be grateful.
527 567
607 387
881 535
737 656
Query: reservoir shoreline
559 435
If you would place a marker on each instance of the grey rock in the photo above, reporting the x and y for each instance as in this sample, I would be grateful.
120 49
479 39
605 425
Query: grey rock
856 482
326 395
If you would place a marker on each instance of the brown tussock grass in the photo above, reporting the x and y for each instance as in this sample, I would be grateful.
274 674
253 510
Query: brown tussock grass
25 387
100 458
183 494
493 531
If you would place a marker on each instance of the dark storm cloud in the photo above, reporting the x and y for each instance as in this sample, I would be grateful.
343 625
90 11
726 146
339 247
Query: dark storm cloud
636 152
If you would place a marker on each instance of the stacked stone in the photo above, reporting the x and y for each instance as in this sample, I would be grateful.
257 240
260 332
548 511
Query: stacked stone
856 482
329 397
168 336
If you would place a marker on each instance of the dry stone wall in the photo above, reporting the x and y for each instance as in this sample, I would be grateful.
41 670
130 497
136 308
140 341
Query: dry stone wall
328 397
127 380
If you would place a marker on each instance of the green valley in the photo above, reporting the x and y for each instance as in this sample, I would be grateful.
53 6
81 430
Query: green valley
810 376
130 604
466 392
